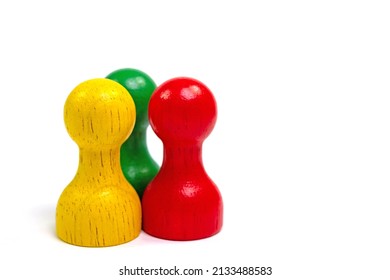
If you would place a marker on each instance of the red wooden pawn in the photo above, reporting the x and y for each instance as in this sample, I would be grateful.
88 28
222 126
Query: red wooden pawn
182 202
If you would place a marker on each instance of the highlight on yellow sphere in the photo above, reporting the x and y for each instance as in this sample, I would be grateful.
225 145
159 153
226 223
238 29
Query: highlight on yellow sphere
99 111
99 207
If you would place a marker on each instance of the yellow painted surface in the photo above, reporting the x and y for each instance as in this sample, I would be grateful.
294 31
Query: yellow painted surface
99 207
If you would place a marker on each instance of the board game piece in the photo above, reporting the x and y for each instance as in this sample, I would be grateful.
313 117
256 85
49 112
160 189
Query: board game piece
182 202
99 207
138 166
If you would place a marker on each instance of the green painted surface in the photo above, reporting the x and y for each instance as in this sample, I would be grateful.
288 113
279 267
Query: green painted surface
137 164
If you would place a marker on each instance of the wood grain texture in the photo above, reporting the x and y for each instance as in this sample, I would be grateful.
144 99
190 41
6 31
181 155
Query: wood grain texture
99 207
137 164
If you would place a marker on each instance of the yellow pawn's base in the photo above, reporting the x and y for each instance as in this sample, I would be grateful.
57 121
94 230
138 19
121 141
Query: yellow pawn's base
106 216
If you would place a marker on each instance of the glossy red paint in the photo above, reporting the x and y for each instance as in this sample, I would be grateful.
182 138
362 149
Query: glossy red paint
182 202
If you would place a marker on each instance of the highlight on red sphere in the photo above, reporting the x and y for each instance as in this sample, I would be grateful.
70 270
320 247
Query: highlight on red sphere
182 109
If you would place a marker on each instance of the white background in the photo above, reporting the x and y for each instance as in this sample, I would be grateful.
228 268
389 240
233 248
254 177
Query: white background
300 152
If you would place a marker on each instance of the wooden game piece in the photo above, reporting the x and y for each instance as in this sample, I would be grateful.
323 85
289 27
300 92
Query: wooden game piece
99 207
182 202
138 166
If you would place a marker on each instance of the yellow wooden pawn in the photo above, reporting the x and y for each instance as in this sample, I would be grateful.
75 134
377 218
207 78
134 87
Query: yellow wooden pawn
99 207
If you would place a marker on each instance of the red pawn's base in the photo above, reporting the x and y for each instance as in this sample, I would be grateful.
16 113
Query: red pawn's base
182 213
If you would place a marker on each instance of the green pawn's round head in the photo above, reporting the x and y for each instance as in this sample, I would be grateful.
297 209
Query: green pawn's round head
141 87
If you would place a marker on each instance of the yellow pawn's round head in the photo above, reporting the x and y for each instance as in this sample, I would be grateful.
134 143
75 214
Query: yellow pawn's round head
99 112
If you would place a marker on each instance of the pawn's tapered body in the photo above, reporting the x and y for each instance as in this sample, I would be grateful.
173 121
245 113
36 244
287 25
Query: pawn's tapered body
182 202
137 165
99 207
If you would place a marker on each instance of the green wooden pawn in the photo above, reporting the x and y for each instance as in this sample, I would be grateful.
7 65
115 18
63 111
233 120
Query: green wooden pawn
137 165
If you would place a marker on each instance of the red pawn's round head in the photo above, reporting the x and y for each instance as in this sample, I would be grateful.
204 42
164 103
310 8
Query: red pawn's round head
182 109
